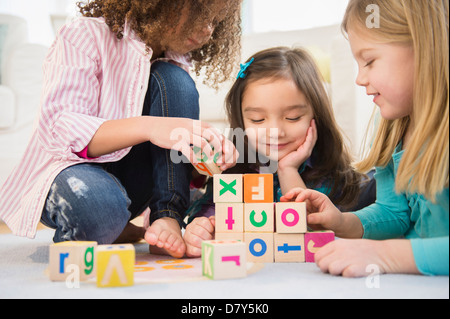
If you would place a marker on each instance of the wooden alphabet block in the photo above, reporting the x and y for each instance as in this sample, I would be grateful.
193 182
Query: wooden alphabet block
289 248
258 188
259 247
115 265
229 236
290 218
224 259
228 188
207 165
314 241
229 217
71 253
259 217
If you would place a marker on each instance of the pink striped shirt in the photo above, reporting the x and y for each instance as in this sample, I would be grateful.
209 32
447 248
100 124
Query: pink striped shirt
89 77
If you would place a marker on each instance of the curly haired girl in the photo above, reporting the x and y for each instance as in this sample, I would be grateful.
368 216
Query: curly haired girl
115 86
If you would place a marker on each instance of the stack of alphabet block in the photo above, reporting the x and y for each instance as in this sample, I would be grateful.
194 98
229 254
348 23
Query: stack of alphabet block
273 232
113 265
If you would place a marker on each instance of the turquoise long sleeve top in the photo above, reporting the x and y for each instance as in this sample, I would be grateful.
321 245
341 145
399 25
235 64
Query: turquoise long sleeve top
409 216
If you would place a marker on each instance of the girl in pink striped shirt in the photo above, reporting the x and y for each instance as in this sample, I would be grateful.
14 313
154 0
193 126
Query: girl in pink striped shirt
115 87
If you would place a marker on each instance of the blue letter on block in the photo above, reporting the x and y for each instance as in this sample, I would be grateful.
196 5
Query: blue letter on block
286 248
251 247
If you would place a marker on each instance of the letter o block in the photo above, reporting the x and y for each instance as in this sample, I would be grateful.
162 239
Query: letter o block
291 218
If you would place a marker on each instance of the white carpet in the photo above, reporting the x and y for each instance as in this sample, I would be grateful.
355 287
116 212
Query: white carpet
23 263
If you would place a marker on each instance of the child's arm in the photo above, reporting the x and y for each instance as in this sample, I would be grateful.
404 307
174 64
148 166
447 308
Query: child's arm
115 135
288 166
361 258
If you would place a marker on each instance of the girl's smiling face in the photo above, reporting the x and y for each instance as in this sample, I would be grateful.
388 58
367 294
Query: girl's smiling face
276 116
386 70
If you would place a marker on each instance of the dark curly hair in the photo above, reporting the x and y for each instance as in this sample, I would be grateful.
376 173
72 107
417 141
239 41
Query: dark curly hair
219 57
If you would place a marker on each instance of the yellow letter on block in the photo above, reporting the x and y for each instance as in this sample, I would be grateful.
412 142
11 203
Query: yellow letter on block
115 265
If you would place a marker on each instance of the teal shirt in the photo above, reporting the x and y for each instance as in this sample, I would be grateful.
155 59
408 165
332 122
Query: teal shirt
409 216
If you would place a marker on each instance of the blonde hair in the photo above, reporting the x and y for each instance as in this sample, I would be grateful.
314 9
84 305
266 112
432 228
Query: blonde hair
424 26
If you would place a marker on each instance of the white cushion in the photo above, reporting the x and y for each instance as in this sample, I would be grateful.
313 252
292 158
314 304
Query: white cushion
7 113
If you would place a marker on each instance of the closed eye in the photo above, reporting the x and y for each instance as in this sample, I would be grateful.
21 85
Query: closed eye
370 63
294 119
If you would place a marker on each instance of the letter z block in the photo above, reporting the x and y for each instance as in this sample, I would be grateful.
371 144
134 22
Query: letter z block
228 188
290 218
229 217
316 240
258 188
115 265
81 254
289 248
224 259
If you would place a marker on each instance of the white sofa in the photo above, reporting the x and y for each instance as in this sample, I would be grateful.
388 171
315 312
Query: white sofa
22 77
20 89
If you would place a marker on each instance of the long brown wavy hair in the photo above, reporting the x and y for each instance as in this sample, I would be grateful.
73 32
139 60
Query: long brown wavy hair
330 156
150 19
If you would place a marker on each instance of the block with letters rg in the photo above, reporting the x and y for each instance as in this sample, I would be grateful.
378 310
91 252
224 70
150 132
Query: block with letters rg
80 256
224 259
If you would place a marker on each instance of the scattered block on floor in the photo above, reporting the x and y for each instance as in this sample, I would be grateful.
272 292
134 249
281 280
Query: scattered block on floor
314 241
259 217
72 259
228 188
259 247
258 188
230 217
290 218
223 259
115 265
289 248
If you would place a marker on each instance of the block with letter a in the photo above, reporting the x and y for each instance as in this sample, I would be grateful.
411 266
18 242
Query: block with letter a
115 265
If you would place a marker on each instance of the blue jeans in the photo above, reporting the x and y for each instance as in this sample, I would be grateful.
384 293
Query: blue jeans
95 202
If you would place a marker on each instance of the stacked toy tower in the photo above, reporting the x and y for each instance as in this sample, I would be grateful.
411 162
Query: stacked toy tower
273 232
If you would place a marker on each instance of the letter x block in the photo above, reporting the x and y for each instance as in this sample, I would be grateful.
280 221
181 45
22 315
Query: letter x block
258 188
290 218
228 188
115 265
224 259
206 166
316 240
79 255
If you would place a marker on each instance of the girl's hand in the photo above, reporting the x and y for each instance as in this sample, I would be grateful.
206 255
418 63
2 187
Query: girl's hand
298 157
362 257
198 230
321 212
183 135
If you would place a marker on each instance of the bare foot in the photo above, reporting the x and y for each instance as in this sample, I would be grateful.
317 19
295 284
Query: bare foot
165 234
131 234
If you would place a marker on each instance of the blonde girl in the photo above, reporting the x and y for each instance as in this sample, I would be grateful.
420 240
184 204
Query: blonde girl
403 63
